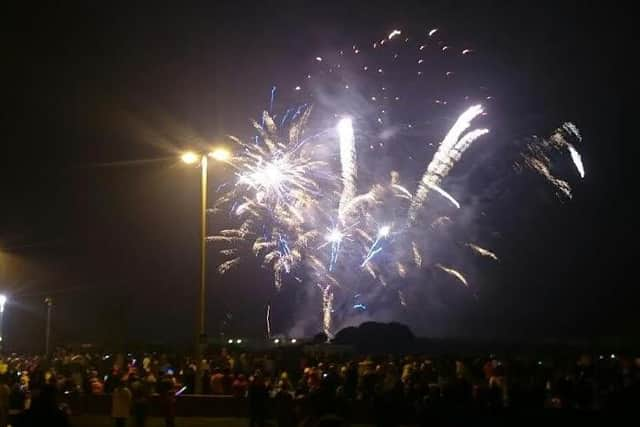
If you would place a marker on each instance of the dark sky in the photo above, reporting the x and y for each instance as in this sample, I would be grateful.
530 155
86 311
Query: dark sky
91 89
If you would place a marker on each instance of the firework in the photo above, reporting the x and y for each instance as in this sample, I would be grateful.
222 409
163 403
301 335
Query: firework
327 309
334 238
455 273
537 160
538 153
577 159
225 266
482 251
446 195
402 299
394 33
402 270
417 257
275 187
376 247
348 161
449 152
268 321
308 221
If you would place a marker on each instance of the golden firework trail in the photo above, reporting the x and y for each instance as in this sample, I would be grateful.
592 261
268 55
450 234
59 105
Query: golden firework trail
455 273
482 251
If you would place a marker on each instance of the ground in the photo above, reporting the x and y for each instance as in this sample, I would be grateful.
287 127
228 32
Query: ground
101 421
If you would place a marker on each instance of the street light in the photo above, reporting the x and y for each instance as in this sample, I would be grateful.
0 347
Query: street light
220 154
190 157
47 343
3 301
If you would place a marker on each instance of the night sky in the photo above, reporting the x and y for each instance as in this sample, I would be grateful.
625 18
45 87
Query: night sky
97 211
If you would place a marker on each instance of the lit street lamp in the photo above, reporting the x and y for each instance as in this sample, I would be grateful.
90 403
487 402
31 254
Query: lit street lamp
190 157
3 301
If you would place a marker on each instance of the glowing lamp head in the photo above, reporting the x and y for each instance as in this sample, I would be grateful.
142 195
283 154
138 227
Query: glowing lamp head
334 236
220 154
3 301
189 157
293 340
276 341
238 341
384 231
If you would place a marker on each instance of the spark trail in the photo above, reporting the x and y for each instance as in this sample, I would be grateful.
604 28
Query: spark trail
455 273
482 251
449 152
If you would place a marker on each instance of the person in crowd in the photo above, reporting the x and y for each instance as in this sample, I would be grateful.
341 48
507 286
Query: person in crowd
284 404
17 402
121 399
167 392
217 382
44 410
227 381
95 384
141 392
4 401
239 386
257 395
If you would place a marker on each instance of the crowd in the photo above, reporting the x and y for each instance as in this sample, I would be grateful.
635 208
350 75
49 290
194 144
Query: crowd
297 388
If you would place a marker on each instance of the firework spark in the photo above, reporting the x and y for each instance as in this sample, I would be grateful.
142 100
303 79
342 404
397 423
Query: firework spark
393 34
449 152
334 237
455 273
535 158
376 248
268 321
446 195
348 162
482 251
417 257
227 265
327 309
538 153
577 159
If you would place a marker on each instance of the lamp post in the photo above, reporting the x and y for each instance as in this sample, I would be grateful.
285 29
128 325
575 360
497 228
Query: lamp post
3 301
47 342
190 157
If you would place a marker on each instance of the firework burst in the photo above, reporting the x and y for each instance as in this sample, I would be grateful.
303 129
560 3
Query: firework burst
315 216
